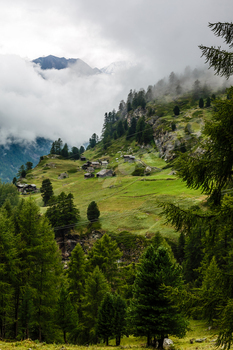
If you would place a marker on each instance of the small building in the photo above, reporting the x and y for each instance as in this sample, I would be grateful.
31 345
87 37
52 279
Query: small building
90 169
96 165
129 158
89 175
104 163
83 159
25 188
105 173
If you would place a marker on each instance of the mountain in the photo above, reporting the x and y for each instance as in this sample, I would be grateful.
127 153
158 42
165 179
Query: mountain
53 62
13 155
116 66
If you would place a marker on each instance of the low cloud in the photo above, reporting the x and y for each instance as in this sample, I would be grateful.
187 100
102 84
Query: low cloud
59 103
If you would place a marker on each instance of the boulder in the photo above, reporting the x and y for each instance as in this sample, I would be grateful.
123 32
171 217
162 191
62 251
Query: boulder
63 176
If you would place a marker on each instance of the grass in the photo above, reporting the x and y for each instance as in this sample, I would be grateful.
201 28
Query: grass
126 203
198 330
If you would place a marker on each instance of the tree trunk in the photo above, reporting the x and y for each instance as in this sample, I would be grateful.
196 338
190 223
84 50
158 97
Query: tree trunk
118 340
161 340
64 334
148 339
107 341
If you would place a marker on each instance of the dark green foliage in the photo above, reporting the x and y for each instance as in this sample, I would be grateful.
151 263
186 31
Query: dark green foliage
93 212
66 317
105 318
138 172
147 136
125 125
96 286
37 273
93 140
81 150
152 314
75 153
208 102
120 128
193 255
46 191
139 130
29 166
180 248
201 102
76 275
119 319
176 110
105 254
211 170
62 212
132 129
220 60
65 151
8 192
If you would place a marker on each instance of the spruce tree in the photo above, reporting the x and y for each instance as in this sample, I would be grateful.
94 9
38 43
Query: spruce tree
119 319
76 275
220 60
46 191
105 318
96 286
105 254
93 212
65 314
152 314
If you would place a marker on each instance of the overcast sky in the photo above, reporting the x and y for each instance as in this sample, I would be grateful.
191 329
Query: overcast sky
159 35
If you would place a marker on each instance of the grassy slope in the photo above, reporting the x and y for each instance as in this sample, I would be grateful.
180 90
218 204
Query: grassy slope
126 202
198 329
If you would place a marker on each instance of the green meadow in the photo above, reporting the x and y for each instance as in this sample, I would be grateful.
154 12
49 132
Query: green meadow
126 202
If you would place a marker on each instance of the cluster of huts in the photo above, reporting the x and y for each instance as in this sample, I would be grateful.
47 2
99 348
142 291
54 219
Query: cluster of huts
25 188
92 166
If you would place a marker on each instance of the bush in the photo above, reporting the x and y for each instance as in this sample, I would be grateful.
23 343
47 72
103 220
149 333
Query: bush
138 172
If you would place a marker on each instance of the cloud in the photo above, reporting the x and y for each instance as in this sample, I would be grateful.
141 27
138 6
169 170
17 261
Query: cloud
58 103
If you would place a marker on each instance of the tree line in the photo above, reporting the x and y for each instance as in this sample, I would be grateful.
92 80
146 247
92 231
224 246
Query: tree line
95 299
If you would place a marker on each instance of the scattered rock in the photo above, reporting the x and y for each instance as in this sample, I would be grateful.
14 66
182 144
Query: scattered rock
167 342
63 176
201 340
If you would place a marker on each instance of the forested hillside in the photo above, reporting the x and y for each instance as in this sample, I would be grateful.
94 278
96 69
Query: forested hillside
143 220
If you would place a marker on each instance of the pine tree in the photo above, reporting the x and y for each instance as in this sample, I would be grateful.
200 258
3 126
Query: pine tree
139 130
220 60
105 318
76 275
105 254
46 190
152 314
119 319
65 314
39 267
96 286
176 110
201 103
9 269
93 212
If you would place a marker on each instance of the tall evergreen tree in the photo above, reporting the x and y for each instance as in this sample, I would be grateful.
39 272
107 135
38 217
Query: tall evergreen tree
76 275
105 254
93 212
96 287
220 60
152 314
105 318
46 191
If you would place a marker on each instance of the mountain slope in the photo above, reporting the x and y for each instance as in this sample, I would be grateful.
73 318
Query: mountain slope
13 155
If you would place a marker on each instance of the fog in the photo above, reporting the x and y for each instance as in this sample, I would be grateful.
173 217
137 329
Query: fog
158 36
